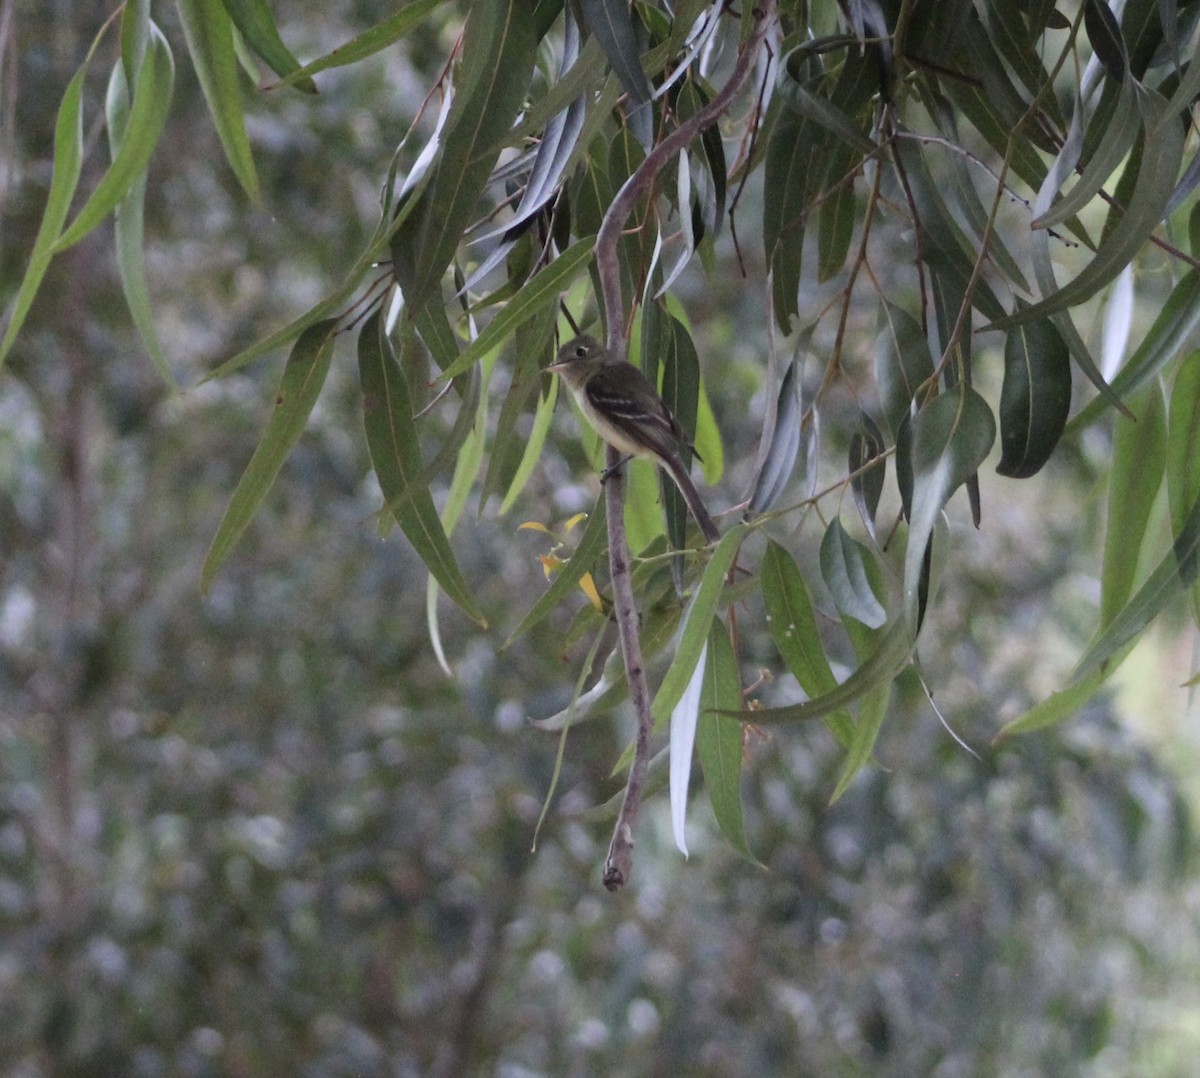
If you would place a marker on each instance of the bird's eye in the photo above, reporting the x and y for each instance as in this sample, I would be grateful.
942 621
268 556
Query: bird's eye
581 351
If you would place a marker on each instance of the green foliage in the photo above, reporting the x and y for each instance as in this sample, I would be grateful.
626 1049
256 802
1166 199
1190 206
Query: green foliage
915 172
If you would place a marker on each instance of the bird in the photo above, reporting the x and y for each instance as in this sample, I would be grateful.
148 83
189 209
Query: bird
625 409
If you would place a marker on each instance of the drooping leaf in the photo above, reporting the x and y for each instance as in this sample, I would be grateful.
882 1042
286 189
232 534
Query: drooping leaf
1183 450
793 627
1034 399
256 24
866 478
533 296
498 51
698 619
68 154
209 33
610 22
880 667
779 460
1104 33
1161 156
299 388
685 716
128 221
951 438
1138 463
375 39
902 363
872 710
1174 573
680 391
396 457
843 568
1173 325
719 743
147 115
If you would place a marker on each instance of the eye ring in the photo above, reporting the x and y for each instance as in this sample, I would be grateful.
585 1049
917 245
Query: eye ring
581 351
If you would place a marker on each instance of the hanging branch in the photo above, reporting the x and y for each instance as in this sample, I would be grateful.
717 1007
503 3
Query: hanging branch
619 862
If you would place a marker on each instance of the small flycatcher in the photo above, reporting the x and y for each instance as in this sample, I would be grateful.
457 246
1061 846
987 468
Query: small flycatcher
627 412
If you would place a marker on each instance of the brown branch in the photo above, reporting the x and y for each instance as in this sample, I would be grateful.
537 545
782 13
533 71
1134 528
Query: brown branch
619 862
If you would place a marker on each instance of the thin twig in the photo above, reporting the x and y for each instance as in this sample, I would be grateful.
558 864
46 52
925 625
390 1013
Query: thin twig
619 862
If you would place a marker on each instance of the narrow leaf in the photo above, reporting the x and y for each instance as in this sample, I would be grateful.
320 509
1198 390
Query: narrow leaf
1138 463
147 115
843 568
299 388
793 627
533 296
698 618
209 33
951 437
1183 450
1173 325
880 667
684 717
610 22
396 456
871 713
719 743
866 480
1035 397
68 153
1176 571
257 25
128 228
498 53
902 363
779 461
369 42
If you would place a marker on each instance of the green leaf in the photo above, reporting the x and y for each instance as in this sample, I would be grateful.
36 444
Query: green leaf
1035 397
866 483
543 289
1173 325
209 33
368 43
698 619
129 232
835 223
299 388
843 568
1161 156
257 25
1183 450
871 713
793 627
719 743
147 115
902 363
881 667
396 456
1176 571
610 23
68 154
680 391
498 53
1138 463
1060 705
779 460
951 437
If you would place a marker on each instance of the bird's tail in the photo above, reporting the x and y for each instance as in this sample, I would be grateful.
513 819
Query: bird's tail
692 496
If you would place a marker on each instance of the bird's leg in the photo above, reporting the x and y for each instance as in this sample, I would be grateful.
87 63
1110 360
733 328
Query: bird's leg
609 472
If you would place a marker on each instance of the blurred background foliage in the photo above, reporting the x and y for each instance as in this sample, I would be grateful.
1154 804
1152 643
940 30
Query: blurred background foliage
262 833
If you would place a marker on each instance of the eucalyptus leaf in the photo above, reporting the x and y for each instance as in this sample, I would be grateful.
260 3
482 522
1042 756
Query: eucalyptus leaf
951 438
1034 399
843 568
303 378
